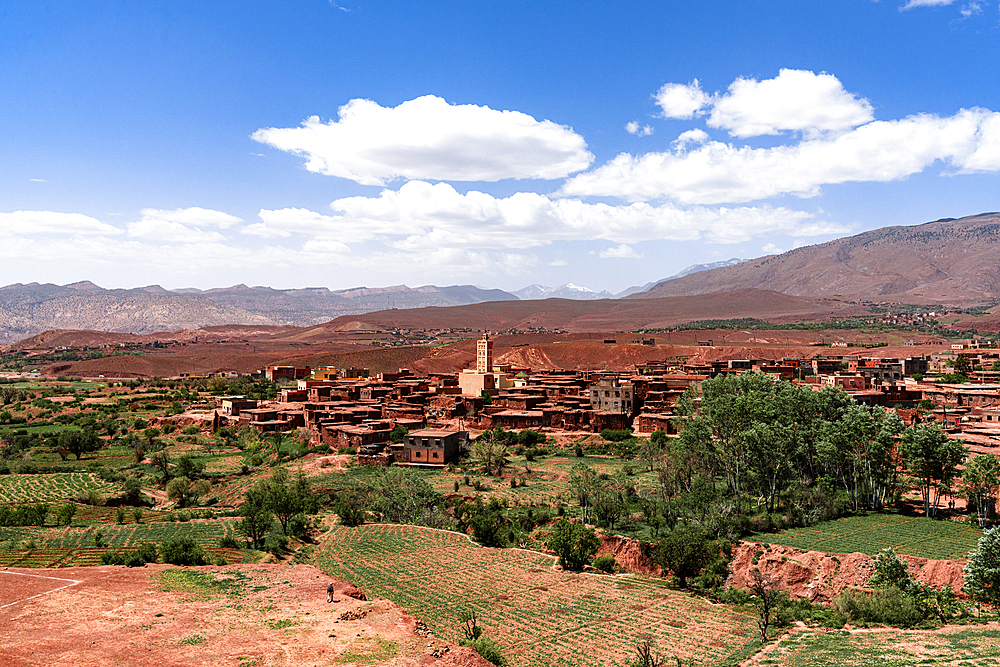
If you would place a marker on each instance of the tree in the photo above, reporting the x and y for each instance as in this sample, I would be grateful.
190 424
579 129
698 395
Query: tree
585 482
932 458
762 586
79 442
283 502
574 543
161 461
257 518
980 480
982 572
684 551
182 551
490 450
184 490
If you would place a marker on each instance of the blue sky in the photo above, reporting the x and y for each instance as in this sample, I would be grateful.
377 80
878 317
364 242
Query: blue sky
607 144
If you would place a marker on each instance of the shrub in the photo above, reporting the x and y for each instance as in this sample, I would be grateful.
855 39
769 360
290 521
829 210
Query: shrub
276 545
888 606
605 563
137 514
488 649
982 573
182 551
66 513
120 515
146 553
230 542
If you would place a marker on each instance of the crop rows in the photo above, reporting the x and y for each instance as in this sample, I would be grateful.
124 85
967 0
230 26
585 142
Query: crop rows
207 533
540 615
56 486
914 536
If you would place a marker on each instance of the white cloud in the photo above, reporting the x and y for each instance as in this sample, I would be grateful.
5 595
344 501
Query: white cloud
879 151
181 225
199 217
427 138
771 249
925 3
633 127
20 223
559 262
694 136
971 9
421 217
795 100
678 100
38 180
622 251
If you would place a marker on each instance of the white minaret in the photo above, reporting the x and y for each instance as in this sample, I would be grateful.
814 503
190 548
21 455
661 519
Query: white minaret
484 354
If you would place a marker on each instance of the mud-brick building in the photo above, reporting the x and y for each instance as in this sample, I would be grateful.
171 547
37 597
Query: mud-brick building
648 422
433 447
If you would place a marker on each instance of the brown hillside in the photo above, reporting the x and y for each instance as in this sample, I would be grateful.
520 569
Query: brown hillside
952 262
599 315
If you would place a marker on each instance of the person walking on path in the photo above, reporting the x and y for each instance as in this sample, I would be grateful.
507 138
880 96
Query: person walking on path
329 592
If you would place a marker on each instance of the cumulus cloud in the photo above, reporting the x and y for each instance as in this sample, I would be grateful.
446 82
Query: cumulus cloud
694 136
421 217
678 100
795 100
20 223
878 151
427 138
181 225
622 251
633 127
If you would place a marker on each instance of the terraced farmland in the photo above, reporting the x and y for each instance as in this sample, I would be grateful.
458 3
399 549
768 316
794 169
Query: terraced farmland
207 533
914 536
49 487
540 615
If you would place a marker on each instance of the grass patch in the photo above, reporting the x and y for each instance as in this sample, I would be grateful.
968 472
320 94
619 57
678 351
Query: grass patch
979 647
368 652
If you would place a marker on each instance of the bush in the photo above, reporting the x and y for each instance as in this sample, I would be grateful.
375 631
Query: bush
886 606
684 551
488 649
182 551
146 553
276 545
605 563
230 542
612 435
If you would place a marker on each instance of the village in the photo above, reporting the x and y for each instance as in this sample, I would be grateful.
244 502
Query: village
349 408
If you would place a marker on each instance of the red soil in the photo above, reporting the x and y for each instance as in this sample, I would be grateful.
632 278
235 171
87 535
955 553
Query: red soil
117 615
819 576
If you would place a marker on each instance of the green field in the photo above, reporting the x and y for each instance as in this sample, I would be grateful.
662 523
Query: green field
914 536
540 616
966 647
51 487
206 532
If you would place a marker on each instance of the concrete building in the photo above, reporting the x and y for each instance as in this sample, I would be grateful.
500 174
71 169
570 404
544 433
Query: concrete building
612 395
484 355
433 447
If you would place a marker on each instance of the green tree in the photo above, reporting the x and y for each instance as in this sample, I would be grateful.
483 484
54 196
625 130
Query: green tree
182 551
684 551
490 451
574 543
982 572
980 480
79 442
257 518
932 459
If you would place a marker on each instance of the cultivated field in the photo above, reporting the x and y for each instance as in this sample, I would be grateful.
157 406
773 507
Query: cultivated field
914 536
540 615
51 487
954 645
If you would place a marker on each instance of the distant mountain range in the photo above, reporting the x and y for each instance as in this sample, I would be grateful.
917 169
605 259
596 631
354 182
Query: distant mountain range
949 261
26 310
